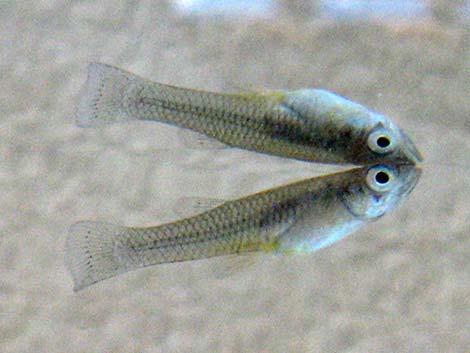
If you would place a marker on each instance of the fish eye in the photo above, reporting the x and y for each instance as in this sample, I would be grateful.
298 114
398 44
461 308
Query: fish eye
380 178
381 141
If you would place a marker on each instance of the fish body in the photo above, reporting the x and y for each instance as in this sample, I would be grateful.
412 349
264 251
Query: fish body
306 124
297 218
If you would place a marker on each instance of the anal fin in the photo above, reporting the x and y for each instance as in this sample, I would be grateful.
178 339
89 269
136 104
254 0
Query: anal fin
231 265
198 141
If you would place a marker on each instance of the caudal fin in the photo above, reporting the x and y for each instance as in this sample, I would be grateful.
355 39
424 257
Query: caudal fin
92 252
102 99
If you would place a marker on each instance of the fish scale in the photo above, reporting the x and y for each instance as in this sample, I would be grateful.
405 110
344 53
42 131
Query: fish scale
302 217
296 218
306 124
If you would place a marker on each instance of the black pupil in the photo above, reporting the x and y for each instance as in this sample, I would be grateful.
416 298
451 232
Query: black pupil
383 141
382 178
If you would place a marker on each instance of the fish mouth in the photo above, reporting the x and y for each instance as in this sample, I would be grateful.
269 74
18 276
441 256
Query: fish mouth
411 175
410 153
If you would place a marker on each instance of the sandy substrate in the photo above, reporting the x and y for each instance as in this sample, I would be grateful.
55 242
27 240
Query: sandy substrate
400 285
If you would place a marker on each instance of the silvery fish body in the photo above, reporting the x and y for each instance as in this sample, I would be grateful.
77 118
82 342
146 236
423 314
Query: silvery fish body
297 218
307 124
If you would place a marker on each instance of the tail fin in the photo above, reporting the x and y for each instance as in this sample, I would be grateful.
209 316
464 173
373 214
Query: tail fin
92 253
102 100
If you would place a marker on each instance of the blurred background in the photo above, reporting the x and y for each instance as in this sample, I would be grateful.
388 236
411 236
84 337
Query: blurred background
400 285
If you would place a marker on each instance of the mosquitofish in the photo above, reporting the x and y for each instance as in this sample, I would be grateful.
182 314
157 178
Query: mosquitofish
301 217
306 124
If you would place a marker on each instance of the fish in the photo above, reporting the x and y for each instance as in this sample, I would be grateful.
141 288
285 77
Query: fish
297 218
312 125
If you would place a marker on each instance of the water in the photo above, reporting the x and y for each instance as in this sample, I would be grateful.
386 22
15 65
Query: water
231 7
339 10
399 285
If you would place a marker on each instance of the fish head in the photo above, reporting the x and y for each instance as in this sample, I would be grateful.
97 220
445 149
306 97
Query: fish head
382 141
379 189
342 131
